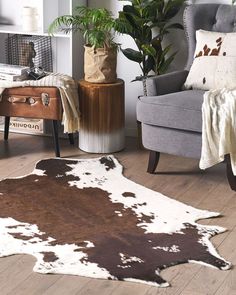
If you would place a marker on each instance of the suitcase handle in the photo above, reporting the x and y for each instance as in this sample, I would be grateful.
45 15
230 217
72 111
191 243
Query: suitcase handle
29 100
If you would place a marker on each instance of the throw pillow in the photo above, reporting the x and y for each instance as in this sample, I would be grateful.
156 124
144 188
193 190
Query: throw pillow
214 65
212 72
215 43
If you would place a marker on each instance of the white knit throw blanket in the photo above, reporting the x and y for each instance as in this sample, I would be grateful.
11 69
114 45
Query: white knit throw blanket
69 96
218 127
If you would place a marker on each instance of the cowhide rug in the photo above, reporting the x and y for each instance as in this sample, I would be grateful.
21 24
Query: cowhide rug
83 217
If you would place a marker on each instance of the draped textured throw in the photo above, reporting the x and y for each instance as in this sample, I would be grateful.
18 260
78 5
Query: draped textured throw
218 128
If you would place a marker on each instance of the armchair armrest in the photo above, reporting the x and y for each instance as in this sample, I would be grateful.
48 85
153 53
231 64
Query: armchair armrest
167 83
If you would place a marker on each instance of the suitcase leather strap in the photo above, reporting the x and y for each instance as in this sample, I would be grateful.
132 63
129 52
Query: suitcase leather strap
28 100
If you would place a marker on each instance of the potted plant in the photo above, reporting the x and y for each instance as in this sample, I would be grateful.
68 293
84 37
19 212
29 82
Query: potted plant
96 25
147 22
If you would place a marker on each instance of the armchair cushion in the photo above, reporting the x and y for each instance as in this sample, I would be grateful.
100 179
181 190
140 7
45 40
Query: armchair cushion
180 110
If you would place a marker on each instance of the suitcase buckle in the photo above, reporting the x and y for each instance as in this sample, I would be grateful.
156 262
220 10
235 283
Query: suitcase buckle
45 99
30 100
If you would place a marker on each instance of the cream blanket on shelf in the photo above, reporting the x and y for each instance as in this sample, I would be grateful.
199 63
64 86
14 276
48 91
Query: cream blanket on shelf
218 127
69 96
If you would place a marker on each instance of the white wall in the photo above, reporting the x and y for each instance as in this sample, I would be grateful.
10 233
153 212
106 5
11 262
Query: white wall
128 70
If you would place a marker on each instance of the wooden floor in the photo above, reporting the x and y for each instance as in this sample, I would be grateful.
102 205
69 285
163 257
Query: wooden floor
208 190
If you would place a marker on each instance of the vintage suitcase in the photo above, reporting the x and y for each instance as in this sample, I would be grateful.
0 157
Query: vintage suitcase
31 102
35 103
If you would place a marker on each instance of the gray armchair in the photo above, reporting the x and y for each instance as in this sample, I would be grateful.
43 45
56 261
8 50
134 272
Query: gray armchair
171 118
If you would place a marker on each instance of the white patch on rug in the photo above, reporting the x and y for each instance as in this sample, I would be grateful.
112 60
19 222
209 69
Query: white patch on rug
168 215
173 248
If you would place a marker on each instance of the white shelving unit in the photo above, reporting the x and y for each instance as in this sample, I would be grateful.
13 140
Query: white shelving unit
67 49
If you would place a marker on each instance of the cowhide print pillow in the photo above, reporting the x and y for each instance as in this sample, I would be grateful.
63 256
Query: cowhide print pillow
214 64
210 43
212 72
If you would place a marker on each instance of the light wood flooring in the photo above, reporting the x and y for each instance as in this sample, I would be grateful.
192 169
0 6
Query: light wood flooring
181 179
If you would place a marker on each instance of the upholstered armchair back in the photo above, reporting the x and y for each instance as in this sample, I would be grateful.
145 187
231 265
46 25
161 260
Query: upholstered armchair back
210 17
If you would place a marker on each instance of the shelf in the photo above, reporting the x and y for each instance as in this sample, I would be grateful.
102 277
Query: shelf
12 29
67 49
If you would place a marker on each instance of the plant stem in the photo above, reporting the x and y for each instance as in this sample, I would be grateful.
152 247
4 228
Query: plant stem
144 86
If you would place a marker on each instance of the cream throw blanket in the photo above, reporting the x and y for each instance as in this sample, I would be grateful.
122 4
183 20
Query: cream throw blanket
69 96
218 127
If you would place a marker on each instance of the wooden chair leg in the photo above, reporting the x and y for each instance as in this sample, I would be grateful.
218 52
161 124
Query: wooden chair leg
153 161
231 177
55 136
6 127
71 138
139 128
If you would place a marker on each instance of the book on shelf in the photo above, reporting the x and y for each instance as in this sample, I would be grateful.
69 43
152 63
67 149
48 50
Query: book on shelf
13 77
13 69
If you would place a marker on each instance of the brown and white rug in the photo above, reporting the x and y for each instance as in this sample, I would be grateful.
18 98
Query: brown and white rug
83 217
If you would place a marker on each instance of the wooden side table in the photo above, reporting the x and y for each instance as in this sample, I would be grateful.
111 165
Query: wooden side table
102 117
